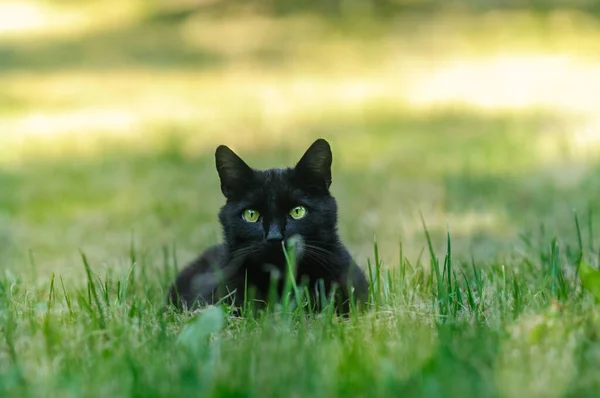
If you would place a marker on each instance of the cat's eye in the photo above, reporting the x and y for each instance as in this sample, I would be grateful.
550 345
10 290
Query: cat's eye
250 215
298 212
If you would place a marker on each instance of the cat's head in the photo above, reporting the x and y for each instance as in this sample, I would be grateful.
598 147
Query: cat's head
267 207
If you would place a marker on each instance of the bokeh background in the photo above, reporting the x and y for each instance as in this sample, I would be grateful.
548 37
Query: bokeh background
481 115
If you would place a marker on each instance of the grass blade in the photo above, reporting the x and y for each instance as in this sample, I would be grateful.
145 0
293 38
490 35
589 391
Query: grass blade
93 292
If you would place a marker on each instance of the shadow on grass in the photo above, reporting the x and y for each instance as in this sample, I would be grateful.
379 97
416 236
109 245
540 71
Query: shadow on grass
381 9
151 45
461 364
550 193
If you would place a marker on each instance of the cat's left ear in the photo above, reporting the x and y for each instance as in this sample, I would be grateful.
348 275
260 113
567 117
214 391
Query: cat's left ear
314 167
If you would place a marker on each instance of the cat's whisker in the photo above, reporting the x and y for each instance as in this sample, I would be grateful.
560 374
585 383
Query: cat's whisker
316 249
244 252
320 261
321 257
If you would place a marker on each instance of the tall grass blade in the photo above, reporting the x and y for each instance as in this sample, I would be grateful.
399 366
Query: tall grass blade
66 296
591 228
94 293
442 294
51 292
579 238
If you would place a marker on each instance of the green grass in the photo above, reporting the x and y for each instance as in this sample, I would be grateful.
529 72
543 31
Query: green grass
461 329
471 216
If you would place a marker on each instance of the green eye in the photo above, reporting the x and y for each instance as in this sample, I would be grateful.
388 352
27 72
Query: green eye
298 212
250 215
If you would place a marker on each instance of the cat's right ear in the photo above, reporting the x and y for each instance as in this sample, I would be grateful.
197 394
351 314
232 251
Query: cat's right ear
314 168
234 173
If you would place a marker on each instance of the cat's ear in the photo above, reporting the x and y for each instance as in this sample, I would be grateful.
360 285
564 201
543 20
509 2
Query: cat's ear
234 173
314 167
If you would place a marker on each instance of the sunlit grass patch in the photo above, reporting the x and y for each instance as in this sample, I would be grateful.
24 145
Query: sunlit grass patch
42 20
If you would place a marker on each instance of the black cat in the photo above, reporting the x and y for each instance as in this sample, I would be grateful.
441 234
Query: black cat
264 209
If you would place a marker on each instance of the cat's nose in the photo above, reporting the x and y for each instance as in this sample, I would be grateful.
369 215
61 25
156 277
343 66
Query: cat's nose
274 235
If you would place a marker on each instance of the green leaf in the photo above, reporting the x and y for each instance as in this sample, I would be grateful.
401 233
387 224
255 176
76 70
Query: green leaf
194 336
590 279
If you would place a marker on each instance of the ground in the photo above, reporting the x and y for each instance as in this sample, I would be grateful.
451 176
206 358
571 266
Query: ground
482 122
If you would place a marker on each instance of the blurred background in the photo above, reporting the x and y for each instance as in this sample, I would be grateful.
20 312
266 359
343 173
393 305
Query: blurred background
482 115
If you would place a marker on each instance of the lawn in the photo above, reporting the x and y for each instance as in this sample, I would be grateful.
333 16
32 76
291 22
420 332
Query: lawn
466 171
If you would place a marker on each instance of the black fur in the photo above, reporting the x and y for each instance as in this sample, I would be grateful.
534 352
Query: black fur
252 252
